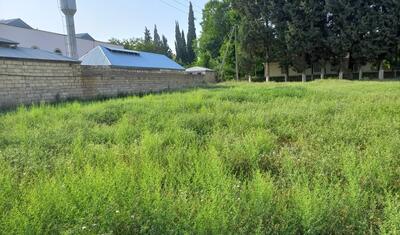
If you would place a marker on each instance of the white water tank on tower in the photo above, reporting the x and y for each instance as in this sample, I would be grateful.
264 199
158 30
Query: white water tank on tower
68 7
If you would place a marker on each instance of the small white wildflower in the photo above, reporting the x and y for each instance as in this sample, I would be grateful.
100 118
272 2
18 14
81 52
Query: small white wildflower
132 216
84 228
117 211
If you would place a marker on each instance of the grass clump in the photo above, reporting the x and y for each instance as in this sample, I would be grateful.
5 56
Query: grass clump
316 158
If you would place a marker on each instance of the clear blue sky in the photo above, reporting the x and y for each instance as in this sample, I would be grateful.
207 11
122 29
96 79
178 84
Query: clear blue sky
105 19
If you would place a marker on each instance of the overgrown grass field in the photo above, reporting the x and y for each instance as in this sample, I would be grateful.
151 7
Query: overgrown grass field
316 158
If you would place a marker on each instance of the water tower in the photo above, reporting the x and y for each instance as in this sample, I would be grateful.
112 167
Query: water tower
68 7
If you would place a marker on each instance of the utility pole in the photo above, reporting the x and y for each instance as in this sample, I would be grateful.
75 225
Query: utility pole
236 55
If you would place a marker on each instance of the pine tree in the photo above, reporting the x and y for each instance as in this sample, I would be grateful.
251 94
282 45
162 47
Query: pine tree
147 35
191 37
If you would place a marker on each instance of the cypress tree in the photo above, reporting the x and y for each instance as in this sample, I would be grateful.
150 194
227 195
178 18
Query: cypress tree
147 35
178 43
184 49
165 47
157 39
191 37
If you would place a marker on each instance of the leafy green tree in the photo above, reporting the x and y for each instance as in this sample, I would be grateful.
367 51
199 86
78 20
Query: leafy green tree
358 34
216 26
280 19
319 52
395 58
346 33
304 35
191 37
258 35
382 37
146 43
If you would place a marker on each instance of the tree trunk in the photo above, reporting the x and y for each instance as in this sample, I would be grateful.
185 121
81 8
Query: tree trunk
341 73
250 78
396 61
267 78
303 77
323 72
286 75
312 72
360 73
381 71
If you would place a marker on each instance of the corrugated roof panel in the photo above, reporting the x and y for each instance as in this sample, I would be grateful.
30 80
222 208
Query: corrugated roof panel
95 57
5 41
126 58
117 50
85 36
198 69
32 54
16 23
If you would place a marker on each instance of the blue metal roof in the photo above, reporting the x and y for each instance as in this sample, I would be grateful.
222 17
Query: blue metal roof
32 54
107 56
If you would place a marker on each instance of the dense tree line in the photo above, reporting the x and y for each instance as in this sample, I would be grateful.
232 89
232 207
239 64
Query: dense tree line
156 43
185 46
300 34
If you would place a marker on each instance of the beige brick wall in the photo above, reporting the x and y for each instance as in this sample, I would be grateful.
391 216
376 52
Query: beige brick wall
105 81
27 82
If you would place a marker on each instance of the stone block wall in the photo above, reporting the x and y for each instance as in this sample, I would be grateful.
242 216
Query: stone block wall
27 82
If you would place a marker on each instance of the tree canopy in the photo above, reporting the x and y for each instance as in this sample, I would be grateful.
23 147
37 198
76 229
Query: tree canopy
301 34
147 43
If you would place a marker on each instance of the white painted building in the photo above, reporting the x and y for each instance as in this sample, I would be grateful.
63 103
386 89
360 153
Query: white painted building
19 31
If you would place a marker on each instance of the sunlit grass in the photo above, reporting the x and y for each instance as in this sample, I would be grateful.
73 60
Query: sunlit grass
322 157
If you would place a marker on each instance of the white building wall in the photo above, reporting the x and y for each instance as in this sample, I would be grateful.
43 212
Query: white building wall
47 40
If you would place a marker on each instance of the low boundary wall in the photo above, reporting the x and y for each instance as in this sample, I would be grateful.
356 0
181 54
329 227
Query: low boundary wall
109 82
29 82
